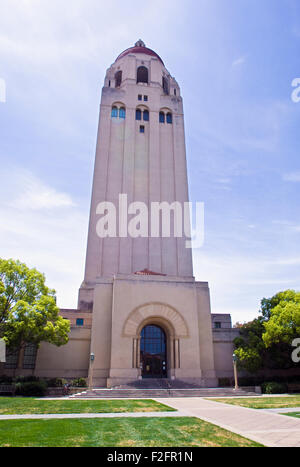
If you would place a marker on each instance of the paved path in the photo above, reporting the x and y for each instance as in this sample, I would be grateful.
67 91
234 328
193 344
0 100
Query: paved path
179 413
269 429
283 410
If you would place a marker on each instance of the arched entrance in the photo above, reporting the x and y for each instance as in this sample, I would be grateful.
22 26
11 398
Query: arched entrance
153 352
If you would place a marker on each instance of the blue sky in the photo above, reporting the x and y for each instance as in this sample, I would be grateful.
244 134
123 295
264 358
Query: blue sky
235 61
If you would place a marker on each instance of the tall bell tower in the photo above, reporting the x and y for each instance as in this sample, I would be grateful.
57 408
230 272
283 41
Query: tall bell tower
150 319
141 153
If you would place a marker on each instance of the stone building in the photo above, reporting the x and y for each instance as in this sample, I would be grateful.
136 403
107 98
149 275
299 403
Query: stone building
140 310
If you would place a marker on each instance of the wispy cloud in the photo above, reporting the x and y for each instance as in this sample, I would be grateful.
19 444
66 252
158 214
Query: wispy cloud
36 195
239 61
291 177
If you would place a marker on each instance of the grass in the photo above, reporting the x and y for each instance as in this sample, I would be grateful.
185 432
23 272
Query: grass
20 405
118 432
292 414
263 402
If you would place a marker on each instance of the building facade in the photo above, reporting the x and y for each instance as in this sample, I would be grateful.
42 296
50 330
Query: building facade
140 311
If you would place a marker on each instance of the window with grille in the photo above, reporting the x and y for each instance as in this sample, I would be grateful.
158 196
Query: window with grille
11 359
146 116
114 112
122 112
169 118
29 359
161 117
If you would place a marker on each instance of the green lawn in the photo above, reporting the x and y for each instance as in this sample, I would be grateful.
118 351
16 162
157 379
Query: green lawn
114 432
292 414
20 405
263 402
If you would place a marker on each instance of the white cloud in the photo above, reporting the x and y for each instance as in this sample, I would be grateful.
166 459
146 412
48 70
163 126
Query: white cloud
239 61
292 177
36 195
46 231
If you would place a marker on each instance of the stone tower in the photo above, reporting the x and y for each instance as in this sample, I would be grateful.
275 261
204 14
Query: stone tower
149 316
141 153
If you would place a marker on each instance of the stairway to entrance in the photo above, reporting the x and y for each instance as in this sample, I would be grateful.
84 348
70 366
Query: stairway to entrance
149 388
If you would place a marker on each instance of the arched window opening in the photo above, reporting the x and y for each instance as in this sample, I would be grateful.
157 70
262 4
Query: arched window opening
165 85
114 112
138 114
142 74
153 352
161 117
118 78
175 92
122 112
146 115
169 118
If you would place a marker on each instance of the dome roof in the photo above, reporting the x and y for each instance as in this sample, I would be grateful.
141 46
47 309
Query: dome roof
139 48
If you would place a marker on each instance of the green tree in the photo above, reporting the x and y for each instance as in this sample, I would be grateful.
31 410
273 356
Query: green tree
28 311
283 324
266 341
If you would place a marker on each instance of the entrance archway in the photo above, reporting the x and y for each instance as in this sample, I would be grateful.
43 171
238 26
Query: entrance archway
153 352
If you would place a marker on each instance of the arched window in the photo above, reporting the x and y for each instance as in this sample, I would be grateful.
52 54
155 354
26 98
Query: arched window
122 112
138 114
161 117
169 118
142 74
146 116
118 78
114 112
165 85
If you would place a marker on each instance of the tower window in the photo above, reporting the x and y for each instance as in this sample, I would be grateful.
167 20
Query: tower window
118 78
146 116
161 117
79 322
142 74
138 114
114 112
165 85
169 118
140 97
109 83
218 325
122 112
142 129
146 98
175 93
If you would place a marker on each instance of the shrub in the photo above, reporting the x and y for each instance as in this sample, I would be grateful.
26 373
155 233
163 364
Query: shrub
225 382
31 389
56 382
27 379
6 379
79 383
274 388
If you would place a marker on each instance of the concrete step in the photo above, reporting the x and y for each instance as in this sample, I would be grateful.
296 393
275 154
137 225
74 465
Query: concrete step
150 393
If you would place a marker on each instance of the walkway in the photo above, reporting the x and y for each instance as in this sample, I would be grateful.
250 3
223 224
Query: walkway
269 429
92 415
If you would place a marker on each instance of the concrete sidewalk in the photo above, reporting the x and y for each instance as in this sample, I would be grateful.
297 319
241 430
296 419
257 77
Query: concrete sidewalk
92 415
269 429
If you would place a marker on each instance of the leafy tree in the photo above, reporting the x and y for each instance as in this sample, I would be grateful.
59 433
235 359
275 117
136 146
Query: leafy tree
28 311
266 341
283 324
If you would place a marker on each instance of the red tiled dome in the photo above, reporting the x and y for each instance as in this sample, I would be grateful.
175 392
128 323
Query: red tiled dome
140 48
